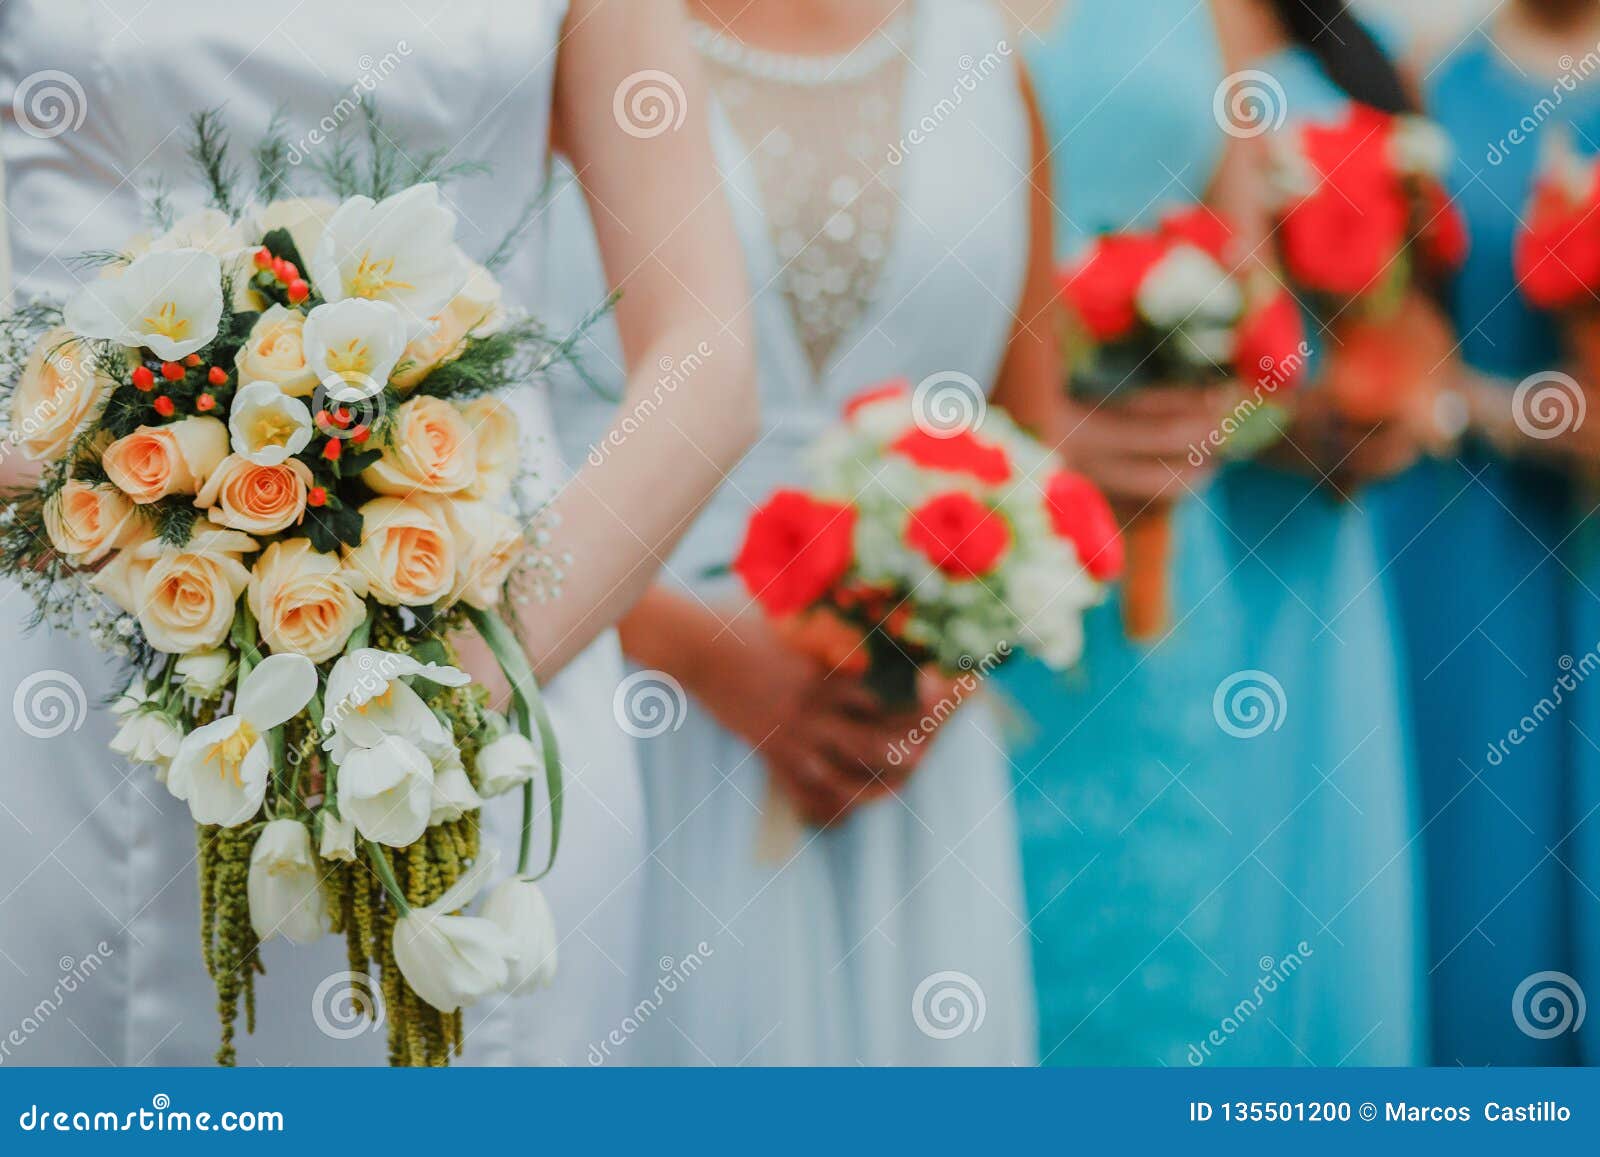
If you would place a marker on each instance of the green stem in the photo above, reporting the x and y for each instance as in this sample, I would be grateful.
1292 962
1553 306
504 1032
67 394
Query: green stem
385 871
530 717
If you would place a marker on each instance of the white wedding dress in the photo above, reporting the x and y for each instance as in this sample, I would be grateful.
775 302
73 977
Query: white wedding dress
876 252
99 959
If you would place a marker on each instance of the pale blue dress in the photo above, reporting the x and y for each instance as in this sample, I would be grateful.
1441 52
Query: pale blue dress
1200 894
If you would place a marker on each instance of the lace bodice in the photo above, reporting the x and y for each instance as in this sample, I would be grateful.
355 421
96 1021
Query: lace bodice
820 132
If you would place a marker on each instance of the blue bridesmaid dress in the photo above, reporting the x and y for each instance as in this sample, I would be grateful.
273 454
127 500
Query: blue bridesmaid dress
1475 546
1214 825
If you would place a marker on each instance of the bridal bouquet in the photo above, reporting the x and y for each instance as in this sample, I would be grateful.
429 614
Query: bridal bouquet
1364 222
918 546
1556 255
275 480
1165 307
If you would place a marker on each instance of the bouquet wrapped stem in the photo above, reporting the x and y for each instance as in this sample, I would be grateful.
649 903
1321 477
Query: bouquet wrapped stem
1146 593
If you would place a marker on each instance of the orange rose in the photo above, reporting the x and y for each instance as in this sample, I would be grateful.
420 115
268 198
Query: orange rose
184 597
488 542
275 352
496 445
407 556
255 499
58 389
306 602
155 461
86 522
429 450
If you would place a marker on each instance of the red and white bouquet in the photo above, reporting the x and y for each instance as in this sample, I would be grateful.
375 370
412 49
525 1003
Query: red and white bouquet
1364 223
1169 307
923 545
275 479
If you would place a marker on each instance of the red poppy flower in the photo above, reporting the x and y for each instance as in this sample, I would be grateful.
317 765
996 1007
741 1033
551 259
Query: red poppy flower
795 549
1201 227
961 452
1102 287
1079 512
1557 257
1269 345
1341 240
958 534
898 387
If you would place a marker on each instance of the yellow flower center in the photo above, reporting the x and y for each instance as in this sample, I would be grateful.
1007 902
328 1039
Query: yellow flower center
166 322
272 428
373 277
229 753
353 361
382 699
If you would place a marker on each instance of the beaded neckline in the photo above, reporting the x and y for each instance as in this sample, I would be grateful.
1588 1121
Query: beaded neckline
886 43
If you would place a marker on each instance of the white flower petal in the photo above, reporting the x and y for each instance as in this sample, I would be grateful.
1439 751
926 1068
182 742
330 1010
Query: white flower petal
276 690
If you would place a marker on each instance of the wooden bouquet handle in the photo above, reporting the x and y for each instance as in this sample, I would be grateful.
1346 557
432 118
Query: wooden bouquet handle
1146 583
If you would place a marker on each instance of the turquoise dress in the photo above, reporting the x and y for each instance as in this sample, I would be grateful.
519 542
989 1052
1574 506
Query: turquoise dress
1209 885
1475 546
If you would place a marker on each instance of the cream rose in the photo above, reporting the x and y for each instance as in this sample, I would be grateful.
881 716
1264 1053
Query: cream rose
184 597
275 352
407 555
58 389
306 602
429 449
477 309
255 499
496 445
86 522
155 461
488 542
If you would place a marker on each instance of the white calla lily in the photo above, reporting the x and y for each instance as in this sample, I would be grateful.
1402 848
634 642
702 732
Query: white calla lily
284 885
221 769
266 425
368 700
452 961
353 346
519 909
453 793
169 301
507 762
386 791
400 250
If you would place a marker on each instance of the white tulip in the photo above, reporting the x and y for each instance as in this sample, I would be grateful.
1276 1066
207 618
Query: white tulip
519 909
507 762
266 425
205 673
148 737
387 791
338 837
453 793
1188 283
450 961
284 886
400 250
368 699
353 346
169 301
221 769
